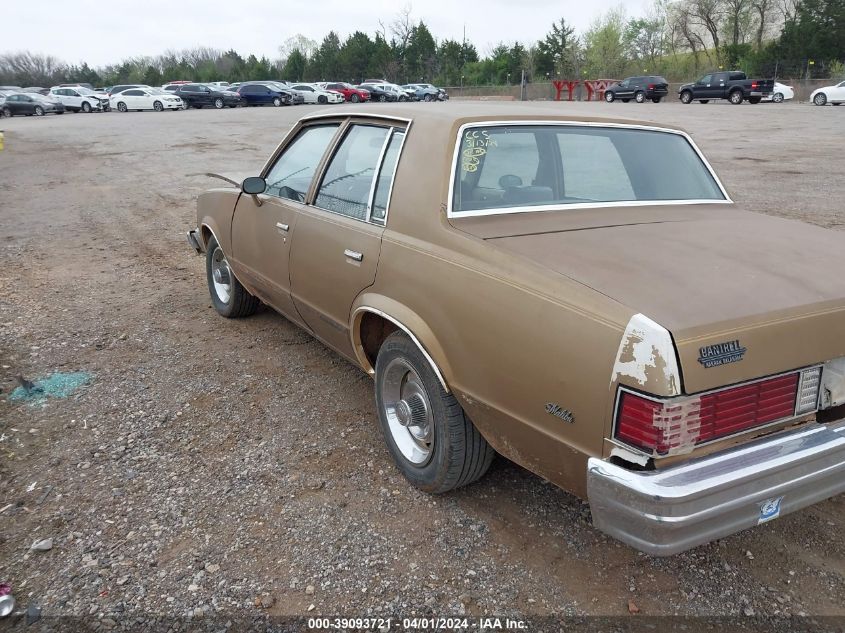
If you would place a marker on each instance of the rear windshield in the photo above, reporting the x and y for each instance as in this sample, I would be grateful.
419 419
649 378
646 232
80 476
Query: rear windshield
526 166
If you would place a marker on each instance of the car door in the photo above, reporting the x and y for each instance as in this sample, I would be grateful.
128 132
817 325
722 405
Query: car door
264 226
338 236
623 90
839 92
132 99
71 99
307 92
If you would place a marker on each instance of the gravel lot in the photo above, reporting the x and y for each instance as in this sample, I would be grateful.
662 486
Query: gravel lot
235 468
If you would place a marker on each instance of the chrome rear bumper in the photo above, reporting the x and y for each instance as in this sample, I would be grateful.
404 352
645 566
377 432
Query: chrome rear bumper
195 241
671 510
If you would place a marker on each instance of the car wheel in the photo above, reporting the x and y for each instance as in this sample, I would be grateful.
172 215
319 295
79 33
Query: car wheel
86 107
427 97
382 98
277 102
639 97
322 99
218 103
656 99
354 98
686 96
7 112
39 111
735 97
434 444
229 297
820 99
121 107
777 97
157 106
185 105
609 97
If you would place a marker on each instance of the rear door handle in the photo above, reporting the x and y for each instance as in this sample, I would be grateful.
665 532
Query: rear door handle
281 226
353 255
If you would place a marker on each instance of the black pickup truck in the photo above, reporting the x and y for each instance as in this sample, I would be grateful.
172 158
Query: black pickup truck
733 86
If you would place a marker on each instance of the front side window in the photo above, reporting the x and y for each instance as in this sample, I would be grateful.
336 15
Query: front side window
349 178
291 175
527 166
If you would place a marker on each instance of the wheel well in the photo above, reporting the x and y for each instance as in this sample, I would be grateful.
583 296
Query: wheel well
374 330
206 235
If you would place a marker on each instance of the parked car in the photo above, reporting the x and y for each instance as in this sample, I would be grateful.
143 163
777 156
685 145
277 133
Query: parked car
31 103
81 99
255 94
423 92
314 94
37 90
349 92
733 86
218 84
442 95
523 304
640 89
120 88
380 92
780 93
834 95
201 95
146 99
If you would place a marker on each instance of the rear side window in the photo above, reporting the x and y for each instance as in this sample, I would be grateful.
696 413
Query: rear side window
522 167
291 175
348 181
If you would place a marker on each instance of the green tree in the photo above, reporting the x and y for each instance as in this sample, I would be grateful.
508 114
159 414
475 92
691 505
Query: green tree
420 54
294 68
557 52
604 50
354 57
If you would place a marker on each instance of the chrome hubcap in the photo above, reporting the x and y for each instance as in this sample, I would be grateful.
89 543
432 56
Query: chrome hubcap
408 412
221 275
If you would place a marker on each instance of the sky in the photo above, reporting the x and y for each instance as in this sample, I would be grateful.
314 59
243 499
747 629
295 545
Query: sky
107 31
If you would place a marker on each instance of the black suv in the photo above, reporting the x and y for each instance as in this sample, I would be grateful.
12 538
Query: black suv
199 95
639 89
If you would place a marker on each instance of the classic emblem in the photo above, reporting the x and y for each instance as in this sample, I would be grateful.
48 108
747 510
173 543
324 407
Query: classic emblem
769 509
720 354
559 412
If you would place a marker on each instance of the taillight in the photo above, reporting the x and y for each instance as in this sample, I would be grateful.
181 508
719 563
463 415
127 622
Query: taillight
754 85
651 86
677 425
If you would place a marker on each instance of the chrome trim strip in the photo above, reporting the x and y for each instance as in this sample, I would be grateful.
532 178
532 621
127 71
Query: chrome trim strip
585 205
404 134
645 396
407 331
376 172
360 115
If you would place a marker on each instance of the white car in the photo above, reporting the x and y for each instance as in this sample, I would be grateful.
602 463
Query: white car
315 94
145 99
79 98
829 94
780 93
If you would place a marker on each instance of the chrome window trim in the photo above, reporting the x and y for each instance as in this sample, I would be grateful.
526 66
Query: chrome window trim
623 388
404 132
414 339
450 213
377 173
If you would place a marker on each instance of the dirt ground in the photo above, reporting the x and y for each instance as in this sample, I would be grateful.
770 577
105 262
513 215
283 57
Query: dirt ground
216 468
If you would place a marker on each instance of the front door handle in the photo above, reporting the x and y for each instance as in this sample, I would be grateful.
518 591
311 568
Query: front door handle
282 226
353 255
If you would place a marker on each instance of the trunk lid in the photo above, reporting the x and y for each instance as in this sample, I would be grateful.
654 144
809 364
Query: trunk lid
767 293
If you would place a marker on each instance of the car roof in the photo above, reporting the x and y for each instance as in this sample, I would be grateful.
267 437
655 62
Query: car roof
469 112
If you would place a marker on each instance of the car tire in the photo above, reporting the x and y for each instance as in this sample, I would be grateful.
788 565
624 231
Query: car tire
656 99
7 112
382 98
735 97
820 99
121 107
86 107
228 296
157 106
686 97
322 99
39 111
277 102
609 97
777 97
639 96
754 100
218 103
427 98
445 451
354 98
185 105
